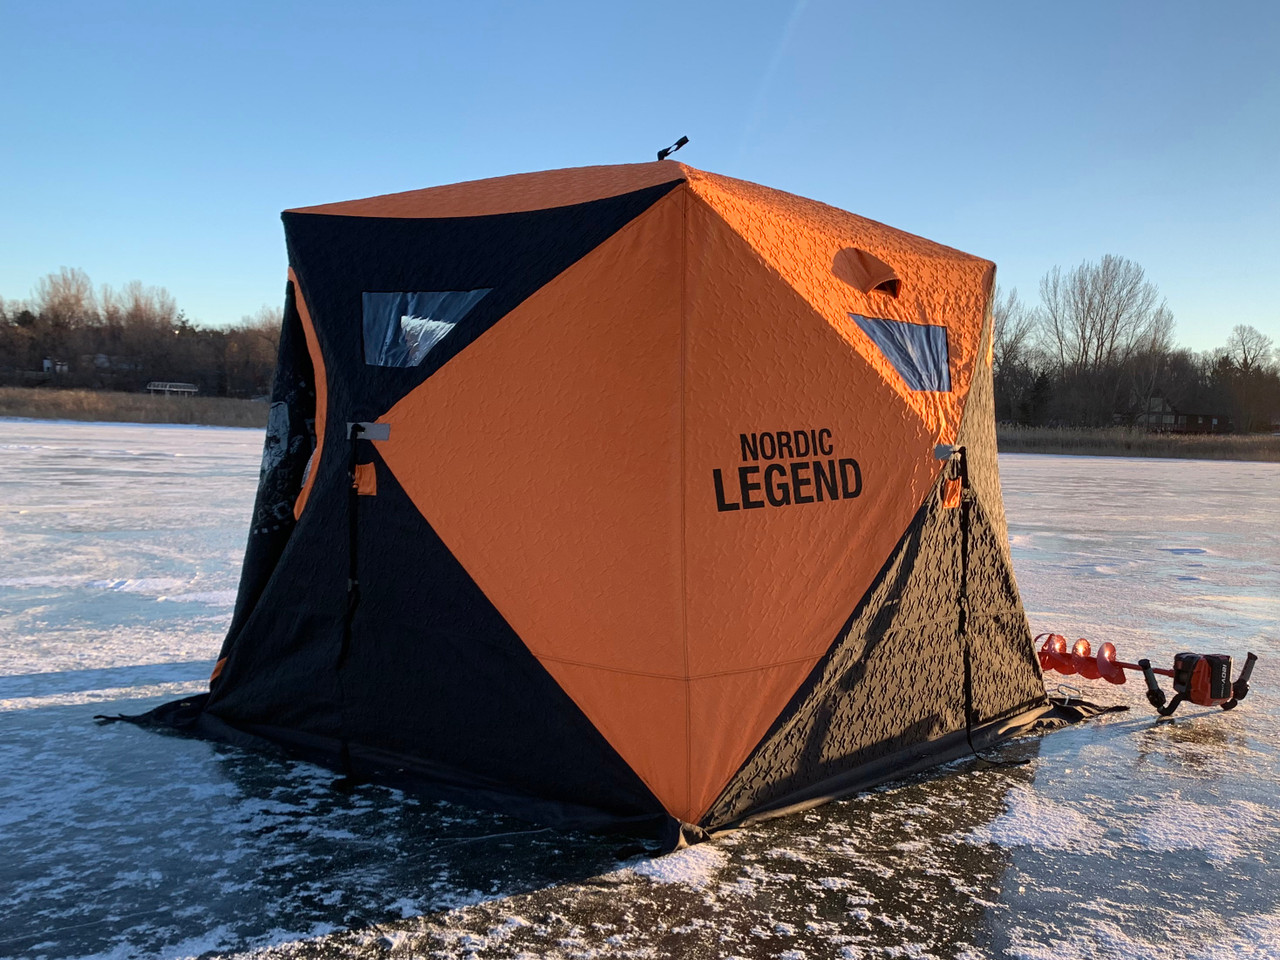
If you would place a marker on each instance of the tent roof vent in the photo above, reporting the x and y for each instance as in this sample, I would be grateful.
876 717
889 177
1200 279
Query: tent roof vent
865 272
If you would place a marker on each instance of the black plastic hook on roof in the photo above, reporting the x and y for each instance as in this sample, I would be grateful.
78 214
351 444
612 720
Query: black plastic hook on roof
668 151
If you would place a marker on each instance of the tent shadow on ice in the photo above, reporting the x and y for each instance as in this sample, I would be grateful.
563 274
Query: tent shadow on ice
628 496
237 849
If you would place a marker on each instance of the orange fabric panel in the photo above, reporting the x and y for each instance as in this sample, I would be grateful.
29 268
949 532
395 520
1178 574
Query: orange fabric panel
322 394
645 719
512 194
217 669
773 584
769 587
803 241
745 700
546 455
366 481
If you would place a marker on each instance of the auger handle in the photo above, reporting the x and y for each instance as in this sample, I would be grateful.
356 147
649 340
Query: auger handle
1240 689
1247 672
1155 696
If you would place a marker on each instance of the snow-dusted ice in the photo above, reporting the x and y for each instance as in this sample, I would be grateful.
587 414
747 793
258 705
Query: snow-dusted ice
1122 838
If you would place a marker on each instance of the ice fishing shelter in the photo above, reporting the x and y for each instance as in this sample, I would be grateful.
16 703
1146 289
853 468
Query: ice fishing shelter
649 524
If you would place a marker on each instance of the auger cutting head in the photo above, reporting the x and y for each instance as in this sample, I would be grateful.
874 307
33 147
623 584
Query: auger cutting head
1200 678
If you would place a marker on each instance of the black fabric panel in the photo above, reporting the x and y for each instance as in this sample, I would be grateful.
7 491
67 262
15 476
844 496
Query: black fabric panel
907 760
435 675
977 435
338 258
291 437
893 681
280 663
1005 665
435 671
1055 714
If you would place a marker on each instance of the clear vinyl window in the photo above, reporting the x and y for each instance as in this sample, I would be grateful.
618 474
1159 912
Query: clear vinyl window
918 351
400 329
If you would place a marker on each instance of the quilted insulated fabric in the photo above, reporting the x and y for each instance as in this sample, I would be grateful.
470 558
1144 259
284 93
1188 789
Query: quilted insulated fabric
613 496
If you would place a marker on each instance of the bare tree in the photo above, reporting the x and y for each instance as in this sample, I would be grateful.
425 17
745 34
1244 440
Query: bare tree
1252 382
1012 326
266 320
137 333
1021 389
66 298
1248 348
1148 361
255 343
121 338
1105 327
152 308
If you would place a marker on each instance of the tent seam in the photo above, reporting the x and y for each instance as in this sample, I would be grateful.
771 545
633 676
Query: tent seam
684 553
320 376
684 679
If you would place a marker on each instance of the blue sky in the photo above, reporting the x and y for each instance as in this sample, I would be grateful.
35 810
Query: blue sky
160 141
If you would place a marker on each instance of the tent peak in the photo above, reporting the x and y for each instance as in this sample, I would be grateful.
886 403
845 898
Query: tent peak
514 193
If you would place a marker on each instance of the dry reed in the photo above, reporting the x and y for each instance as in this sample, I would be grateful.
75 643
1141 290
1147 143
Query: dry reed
1128 442
112 406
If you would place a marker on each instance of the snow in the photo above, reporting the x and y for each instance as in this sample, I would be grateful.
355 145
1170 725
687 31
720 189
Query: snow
1223 832
1123 837
1254 938
1033 820
694 866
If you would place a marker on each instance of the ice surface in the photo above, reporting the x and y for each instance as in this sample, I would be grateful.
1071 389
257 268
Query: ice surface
1123 838
103 522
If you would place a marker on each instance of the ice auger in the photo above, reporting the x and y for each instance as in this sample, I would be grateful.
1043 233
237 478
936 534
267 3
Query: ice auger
1201 678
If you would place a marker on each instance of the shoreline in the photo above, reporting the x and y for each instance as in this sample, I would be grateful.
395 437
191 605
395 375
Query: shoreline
100 406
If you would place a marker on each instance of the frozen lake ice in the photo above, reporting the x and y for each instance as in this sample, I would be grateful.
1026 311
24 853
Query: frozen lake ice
1121 838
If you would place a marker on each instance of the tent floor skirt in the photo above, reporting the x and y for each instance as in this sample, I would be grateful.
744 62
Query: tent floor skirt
364 764
359 764
918 758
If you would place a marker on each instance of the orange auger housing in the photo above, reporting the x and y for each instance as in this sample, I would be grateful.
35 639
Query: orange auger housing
614 494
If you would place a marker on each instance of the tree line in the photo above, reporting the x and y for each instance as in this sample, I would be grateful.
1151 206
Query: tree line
73 334
1098 350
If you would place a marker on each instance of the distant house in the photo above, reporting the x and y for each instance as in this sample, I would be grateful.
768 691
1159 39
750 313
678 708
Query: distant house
1203 423
1161 416
1158 417
110 363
